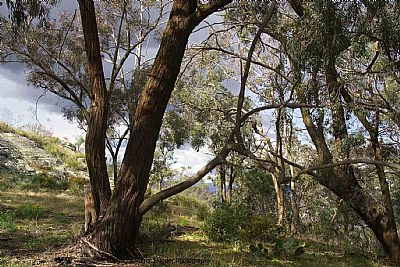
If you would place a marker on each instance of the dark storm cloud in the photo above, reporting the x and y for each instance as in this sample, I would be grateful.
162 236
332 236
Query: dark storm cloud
12 70
19 89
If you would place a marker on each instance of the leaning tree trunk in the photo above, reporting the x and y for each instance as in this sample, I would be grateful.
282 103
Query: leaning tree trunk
117 231
342 181
390 227
98 112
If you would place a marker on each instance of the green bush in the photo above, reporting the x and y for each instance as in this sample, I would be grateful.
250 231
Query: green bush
201 208
225 223
7 221
228 222
29 211
260 228
202 212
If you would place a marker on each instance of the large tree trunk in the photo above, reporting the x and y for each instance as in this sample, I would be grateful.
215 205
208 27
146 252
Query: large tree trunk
117 231
390 227
97 115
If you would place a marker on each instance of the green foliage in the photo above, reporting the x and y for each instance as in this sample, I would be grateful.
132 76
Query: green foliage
291 247
7 221
183 221
229 222
256 190
75 185
60 217
29 211
259 227
225 223
44 181
259 248
192 202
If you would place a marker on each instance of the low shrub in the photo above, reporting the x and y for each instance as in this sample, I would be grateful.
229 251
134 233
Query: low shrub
5 128
225 223
29 211
7 221
228 222
260 228
43 181
201 208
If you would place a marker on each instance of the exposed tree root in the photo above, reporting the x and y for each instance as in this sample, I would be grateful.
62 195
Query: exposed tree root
94 252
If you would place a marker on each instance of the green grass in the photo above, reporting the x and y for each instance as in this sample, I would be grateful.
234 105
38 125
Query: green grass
157 244
35 223
35 226
196 245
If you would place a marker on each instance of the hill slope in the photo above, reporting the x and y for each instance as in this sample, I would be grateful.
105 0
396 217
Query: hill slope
28 156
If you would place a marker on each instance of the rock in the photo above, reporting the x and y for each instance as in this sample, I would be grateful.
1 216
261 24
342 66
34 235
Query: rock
21 154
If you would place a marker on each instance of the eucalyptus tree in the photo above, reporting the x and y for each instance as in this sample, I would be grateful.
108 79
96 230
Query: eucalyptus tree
320 47
55 54
120 215
335 95
203 108
268 84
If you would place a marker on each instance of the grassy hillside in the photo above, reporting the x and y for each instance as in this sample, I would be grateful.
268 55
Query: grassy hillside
31 161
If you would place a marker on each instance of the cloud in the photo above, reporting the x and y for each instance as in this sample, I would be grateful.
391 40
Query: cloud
19 113
190 159
13 85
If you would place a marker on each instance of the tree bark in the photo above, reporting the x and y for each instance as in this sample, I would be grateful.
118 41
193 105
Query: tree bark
222 180
294 223
280 200
98 112
117 231
230 184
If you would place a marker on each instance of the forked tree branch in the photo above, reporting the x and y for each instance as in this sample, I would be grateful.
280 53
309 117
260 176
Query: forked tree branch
171 191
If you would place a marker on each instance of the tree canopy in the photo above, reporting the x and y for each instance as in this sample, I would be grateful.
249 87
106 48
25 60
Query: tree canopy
294 92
